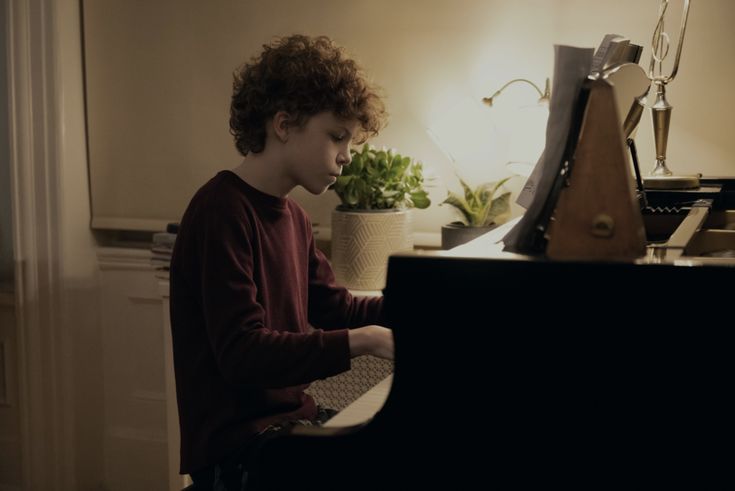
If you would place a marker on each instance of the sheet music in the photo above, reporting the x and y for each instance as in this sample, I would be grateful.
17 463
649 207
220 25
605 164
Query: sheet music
486 245
364 407
571 67
611 50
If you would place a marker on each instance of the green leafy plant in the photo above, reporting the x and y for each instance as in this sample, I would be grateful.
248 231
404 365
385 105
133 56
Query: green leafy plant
479 207
381 179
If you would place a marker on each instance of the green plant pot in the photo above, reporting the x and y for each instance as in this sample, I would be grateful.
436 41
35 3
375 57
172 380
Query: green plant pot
457 233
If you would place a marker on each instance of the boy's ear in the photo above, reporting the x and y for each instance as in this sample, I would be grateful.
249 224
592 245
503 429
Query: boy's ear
282 122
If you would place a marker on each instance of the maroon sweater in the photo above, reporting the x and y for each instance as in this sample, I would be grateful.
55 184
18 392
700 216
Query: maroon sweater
247 285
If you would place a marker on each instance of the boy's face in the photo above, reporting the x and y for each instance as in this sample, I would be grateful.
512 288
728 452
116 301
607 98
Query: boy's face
316 152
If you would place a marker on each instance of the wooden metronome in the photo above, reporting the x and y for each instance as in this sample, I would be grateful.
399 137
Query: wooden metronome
597 214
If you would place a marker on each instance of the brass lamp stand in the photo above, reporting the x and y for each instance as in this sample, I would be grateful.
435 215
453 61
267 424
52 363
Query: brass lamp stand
661 177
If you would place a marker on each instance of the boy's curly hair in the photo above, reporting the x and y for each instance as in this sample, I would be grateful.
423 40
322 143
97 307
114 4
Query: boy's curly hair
302 76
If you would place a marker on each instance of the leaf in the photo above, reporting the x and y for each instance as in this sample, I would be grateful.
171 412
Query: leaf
454 200
460 205
498 184
401 165
487 190
420 199
468 192
498 206
355 166
351 197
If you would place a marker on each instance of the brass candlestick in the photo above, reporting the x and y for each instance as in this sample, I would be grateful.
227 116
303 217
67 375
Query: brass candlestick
661 177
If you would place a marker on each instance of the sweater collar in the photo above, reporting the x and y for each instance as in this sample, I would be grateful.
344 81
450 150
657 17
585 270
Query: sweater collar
257 195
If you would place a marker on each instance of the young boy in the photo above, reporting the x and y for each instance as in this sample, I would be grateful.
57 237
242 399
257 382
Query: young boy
255 312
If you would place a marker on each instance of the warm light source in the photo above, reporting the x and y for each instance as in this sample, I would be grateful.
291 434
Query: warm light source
526 130
465 132
544 98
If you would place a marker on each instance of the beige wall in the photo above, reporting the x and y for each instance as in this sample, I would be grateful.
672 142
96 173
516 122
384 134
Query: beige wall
176 58
702 121
80 302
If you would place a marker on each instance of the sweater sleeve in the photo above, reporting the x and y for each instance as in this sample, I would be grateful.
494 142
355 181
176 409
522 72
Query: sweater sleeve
332 306
249 352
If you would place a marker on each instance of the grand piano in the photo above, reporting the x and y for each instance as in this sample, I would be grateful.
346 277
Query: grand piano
596 351
522 370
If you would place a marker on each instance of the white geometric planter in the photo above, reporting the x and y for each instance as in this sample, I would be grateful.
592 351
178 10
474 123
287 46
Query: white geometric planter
362 242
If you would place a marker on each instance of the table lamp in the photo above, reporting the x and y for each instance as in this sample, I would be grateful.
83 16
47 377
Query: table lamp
544 97
521 149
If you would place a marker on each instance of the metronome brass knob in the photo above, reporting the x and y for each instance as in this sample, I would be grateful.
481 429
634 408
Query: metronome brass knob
603 225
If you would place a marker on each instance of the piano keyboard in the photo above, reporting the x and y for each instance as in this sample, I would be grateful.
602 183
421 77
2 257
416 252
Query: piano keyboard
364 407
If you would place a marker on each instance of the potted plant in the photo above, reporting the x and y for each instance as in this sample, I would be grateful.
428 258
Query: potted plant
480 210
376 191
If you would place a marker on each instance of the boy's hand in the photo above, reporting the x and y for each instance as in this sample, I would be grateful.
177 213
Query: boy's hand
371 340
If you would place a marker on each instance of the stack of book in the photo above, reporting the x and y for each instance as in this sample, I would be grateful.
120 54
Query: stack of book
162 247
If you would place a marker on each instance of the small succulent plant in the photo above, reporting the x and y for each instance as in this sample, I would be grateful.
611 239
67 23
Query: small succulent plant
479 207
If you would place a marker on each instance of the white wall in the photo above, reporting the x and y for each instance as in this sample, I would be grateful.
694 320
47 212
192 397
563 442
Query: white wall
79 271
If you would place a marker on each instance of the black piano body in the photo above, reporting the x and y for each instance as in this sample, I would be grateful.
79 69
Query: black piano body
525 372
